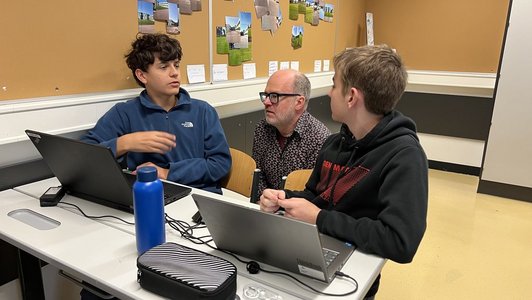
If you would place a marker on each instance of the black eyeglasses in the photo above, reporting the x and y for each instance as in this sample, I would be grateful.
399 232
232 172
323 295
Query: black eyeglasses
274 97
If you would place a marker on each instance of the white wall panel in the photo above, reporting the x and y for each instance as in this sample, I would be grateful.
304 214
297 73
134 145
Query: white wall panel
508 157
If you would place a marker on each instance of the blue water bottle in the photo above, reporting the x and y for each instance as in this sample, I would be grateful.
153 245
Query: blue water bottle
148 205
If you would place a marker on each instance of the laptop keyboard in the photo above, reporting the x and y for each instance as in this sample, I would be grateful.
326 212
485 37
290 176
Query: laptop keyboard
171 192
168 198
329 255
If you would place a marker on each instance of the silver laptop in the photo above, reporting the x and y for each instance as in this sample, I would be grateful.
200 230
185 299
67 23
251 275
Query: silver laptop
91 172
273 239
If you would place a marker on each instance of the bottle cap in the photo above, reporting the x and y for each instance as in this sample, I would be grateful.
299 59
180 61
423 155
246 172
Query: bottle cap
146 174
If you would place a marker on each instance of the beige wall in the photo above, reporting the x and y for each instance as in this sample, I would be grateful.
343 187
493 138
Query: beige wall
442 35
351 26
57 55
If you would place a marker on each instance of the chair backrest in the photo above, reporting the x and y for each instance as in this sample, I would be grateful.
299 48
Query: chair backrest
241 175
297 179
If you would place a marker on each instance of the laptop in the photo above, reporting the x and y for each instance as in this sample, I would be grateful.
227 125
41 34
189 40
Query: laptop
91 172
273 239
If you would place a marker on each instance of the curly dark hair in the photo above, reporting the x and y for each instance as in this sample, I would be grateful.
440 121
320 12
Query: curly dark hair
146 47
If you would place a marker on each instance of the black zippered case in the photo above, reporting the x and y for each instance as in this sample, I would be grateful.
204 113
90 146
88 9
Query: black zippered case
179 272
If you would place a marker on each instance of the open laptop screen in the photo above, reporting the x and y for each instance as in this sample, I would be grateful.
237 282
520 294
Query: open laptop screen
90 171
269 238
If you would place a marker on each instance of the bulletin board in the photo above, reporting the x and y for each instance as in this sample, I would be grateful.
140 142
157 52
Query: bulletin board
69 47
318 41
63 47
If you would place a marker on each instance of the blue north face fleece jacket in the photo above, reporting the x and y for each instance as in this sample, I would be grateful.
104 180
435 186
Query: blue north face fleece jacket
201 157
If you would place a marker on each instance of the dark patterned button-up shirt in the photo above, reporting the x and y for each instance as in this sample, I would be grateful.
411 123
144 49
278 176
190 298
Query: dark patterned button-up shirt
300 150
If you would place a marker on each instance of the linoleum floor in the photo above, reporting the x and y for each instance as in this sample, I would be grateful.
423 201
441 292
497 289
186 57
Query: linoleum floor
476 246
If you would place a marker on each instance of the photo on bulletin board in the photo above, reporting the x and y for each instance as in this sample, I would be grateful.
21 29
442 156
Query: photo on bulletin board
232 34
302 7
245 23
195 5
222 47
293 10
172 25
145 19
270 14
279 17
311 13
269 22
261 8
328 12
185 7
235 39
245 36
315 16
161 10
297 37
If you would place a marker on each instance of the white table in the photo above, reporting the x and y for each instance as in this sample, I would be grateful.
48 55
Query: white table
363 267
87 249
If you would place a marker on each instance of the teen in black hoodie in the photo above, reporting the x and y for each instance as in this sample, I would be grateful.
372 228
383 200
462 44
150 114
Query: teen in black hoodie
370 182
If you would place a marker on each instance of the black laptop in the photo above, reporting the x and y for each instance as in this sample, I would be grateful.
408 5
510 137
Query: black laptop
91 171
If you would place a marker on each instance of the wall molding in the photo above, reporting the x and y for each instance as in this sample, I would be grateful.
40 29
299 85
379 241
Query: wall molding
461 151
452 83
75 113
455 168
63 114
505 190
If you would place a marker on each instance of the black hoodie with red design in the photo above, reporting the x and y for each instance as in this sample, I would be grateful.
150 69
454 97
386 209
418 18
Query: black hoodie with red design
373 192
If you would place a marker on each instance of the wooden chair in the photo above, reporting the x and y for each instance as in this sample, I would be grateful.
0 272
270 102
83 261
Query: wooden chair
297 179
243 175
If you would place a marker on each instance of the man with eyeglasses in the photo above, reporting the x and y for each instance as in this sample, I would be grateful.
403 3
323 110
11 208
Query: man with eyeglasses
289 137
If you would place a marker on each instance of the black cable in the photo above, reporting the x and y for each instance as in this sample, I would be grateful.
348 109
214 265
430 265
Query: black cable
186 231
338 273
96 217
